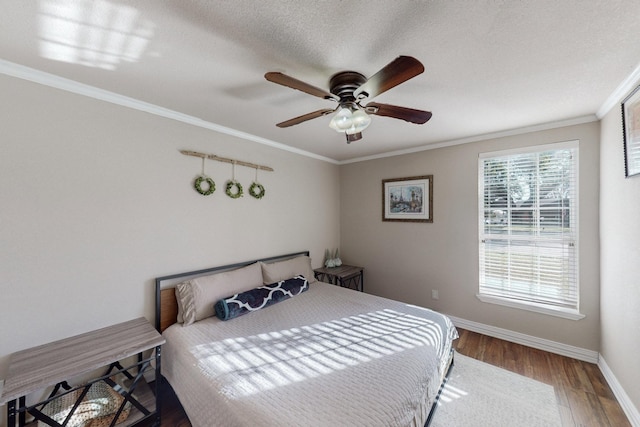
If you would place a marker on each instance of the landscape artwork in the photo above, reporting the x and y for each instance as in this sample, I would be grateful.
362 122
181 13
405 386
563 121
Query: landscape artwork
408 199
631 132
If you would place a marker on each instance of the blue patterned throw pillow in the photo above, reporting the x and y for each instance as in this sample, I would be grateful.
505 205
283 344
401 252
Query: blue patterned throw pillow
260 297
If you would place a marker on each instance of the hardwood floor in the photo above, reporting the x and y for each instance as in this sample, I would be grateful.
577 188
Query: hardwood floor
584 397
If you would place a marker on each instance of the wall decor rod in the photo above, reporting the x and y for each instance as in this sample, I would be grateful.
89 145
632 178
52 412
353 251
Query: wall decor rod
226 160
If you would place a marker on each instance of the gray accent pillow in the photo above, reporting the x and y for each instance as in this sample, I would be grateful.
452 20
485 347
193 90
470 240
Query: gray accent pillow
283 270
198 296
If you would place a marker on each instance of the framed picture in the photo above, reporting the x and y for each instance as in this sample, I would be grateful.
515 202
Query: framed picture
408 199
631 132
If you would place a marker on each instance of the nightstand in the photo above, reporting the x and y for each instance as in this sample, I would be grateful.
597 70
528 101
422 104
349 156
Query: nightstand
346 276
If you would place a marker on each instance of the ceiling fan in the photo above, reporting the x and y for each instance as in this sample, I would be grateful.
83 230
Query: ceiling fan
349 89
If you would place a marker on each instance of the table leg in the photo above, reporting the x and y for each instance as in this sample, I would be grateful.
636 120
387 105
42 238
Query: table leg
11 413
22 416
158 380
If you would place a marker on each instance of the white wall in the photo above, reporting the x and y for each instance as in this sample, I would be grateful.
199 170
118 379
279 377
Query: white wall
620 266
405 261
96 201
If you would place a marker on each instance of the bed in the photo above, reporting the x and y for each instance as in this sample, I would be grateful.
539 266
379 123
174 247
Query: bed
323 356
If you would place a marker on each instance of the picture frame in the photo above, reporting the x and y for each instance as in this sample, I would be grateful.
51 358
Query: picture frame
408 199
631 132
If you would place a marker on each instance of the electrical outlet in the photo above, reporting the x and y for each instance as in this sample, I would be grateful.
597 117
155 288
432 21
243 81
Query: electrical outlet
434 294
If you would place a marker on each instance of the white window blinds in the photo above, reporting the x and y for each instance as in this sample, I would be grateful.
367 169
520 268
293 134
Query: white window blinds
528 212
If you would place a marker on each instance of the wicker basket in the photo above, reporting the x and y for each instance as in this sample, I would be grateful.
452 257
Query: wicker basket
96 409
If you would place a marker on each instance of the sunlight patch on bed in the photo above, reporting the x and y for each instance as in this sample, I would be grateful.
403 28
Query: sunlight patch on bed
257 363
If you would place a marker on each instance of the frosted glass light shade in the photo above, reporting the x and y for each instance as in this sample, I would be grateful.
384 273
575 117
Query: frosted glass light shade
360 120
350 122
342 120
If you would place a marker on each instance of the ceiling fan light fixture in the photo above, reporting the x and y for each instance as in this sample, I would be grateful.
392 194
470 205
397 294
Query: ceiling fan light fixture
342 120
360 120
353 137
349 89
350 122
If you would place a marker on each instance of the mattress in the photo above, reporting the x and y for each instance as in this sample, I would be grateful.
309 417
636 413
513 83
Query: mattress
328 357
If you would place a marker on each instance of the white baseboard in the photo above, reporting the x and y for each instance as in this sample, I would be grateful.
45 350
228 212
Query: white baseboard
528 340
628 407
562 349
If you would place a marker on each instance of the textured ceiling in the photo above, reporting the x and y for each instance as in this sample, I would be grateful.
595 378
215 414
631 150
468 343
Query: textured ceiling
491 66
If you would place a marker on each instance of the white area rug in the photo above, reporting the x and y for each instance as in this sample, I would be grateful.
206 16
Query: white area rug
479 394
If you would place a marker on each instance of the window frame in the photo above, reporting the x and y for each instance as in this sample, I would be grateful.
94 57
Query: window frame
549 309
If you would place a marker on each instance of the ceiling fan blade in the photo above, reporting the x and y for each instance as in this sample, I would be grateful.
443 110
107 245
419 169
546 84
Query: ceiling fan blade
397 71
305 117
404 113
284 80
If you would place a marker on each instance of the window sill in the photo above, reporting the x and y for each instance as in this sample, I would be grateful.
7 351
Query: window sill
538 308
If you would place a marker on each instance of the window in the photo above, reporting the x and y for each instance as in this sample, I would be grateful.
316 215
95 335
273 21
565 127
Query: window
528 213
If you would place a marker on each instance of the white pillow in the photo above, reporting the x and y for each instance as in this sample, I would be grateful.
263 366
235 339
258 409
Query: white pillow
283 270
198 296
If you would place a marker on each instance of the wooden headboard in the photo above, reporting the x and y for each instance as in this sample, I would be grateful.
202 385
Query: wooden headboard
166 304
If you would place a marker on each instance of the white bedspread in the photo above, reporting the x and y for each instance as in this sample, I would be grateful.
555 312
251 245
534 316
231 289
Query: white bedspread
328 357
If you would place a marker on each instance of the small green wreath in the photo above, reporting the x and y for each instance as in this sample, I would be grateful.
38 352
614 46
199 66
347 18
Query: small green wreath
257 194
198 182
238 187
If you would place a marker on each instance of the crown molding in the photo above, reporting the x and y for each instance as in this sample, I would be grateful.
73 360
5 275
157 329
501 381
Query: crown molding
68 85
52 80
620 93
478 138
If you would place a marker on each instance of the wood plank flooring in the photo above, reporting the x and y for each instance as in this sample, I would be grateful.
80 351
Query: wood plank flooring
584 397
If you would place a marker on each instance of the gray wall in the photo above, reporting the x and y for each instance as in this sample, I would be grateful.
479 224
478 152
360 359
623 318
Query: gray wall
405 261
620 256
96 201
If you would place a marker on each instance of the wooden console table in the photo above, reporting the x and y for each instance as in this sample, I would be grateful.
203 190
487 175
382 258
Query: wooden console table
52 364
347 276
